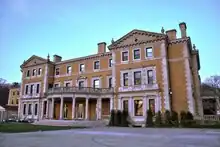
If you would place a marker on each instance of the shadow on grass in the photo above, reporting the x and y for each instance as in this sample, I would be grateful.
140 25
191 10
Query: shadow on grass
25 127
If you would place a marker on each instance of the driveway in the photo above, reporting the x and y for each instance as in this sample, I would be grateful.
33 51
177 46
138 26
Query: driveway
114 137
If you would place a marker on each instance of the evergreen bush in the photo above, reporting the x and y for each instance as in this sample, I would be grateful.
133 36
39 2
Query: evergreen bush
158 121
182 118
124 118
174 118
118 118
167 118
112 118
149 120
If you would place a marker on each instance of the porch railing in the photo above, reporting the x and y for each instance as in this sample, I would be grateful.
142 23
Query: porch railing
81 90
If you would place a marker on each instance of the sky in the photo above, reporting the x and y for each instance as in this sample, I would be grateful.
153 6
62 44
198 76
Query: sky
72 28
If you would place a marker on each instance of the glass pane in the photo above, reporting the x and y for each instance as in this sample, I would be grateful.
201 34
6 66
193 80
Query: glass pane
138 107
152 105
125 105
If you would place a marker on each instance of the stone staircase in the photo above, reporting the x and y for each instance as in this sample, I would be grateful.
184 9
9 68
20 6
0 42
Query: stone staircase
80 123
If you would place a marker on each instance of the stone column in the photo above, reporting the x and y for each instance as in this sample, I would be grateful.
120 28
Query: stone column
87 108
111 104
130 106
61 107
33 111
119 103
145 106
52 109
99 112
73 107
47 109
42 109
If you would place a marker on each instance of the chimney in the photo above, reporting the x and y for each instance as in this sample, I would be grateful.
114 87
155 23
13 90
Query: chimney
183 29
57 58
101 47
171 34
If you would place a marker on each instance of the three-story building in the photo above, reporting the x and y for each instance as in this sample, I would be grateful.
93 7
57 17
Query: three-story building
142 70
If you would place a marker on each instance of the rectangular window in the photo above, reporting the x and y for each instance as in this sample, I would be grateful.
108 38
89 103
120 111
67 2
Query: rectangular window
137 54
68 69
96 83
149 52
137 78
26 89
82 67
38 88
17 101
110 63
67 84
24 109
152 105
32 87
18 93
125 79
150 78
29 109
56 85
39 71
57 72
125 56
138 107
28 73
35 109
110 82
13 93
81 84
96 64
125 105
34 72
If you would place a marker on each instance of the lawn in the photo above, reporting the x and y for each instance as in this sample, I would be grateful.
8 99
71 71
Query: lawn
25 127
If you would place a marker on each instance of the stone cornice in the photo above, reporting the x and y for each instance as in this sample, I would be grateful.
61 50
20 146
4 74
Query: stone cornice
179 40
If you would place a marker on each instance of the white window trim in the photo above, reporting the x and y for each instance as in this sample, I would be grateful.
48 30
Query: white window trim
109 63
84 68
126 50
67 69
40 72
133 104
84 80
96 78
70 81
108 77
94 65
133 54
154 74
56 83
137 70
33 72
55 72
122 78
27 73
145 52
34 89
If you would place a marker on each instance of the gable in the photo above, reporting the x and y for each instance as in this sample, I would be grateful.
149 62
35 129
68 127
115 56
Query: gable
136 36
34 60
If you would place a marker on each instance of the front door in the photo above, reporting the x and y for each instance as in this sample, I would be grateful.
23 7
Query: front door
80 111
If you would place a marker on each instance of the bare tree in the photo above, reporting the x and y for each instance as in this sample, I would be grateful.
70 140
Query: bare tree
212 85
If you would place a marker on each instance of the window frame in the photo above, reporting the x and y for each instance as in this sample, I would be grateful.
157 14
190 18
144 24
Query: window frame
29 109
68 71
94 65
124 79
35 109
24 109
80 84
110 62
146 52
28 73
34 72
134 50
150 78
142 111
122 56
123 104
134 78
80 68
37 88
94 84
39 71
57 70
26 89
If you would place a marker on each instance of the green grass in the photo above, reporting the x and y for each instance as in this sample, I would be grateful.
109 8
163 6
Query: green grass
25 127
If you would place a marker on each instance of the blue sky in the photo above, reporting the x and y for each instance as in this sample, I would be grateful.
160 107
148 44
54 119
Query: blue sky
72 28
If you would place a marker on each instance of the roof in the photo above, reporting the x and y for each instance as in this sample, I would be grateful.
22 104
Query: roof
2 108
33 57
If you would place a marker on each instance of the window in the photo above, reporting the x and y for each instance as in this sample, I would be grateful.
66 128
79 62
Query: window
67 84
152 105
81 84
136 54
96 83
18 93
137 78
68 69
16 101
38 88
35 109
125 105
26 89
138 107
57 72
13 93
149 52
32 87
39 71
125 79
34 72
28 73
82 67
96 65
125 56
110 63
24 109
29 109
110 82
150 78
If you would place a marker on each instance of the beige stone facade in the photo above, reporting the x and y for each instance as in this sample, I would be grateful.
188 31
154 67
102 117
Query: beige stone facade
141 70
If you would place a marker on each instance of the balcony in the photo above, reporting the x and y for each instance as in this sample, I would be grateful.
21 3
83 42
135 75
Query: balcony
138 88
80 90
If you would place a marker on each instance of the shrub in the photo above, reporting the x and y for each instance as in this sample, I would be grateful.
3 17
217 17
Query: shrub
167 118
112 118
149 121
124 118
158 121
174 118
182 118
189 116
118 118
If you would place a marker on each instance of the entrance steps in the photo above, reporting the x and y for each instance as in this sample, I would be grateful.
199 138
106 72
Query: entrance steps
81 123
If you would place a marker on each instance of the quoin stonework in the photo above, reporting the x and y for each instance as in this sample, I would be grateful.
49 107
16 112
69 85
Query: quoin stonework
141 70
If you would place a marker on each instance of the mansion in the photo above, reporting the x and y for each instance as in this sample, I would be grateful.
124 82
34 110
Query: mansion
141 70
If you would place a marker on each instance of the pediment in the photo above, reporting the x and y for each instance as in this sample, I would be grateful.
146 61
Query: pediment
34 60
134 37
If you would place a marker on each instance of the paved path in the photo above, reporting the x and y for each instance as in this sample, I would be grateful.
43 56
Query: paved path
114 137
